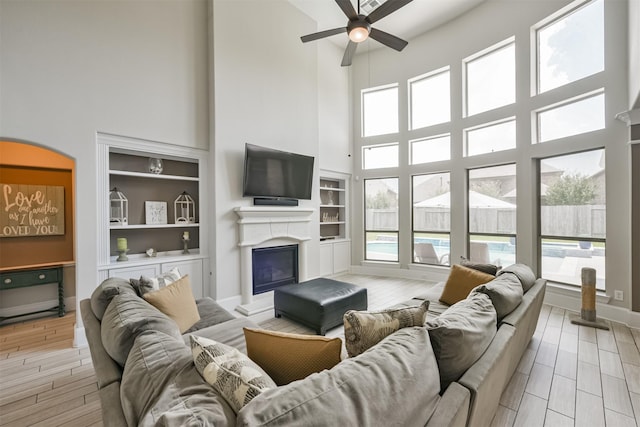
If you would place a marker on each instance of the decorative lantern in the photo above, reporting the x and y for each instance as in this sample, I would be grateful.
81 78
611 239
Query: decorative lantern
119 207
184 209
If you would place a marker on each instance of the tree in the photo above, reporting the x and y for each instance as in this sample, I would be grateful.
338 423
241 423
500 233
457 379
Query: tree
571 190
380 200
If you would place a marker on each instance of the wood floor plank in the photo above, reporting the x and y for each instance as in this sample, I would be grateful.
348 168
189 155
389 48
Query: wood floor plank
588 352
532 411
606 340
539 383
547 354
567 364
554 419
618 420
589 410
616 395
610 364
632 376
629 352
562 398
589 378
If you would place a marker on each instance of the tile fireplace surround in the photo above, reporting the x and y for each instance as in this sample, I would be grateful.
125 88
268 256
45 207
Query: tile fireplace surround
265 226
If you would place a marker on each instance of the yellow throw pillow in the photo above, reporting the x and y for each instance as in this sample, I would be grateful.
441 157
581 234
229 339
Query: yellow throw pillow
289 357
176 301
460 282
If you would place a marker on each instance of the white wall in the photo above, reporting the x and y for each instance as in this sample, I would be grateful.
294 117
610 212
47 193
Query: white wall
72 68
269 92
482 27
634 54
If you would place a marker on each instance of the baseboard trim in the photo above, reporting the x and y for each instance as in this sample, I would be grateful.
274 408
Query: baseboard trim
80 337
605 311
19 310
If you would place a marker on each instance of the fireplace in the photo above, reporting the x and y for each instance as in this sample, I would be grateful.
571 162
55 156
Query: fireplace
273 267
270 227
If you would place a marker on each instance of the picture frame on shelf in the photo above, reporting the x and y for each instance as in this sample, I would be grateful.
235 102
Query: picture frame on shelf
155 212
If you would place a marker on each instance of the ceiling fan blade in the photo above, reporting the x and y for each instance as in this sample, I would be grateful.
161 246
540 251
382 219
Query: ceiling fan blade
348 54
385 9
322 34
347 8
388 39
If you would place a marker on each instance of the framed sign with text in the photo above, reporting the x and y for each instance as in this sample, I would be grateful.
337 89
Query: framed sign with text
31 210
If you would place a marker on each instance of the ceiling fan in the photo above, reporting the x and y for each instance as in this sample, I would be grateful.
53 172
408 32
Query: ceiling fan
359 28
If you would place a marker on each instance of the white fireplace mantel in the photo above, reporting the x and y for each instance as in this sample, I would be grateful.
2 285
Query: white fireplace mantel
257 227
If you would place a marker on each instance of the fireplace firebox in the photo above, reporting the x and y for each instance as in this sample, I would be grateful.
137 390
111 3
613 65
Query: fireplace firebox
274 266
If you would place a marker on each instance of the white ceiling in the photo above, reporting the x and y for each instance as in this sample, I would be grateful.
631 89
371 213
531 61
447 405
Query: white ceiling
415 18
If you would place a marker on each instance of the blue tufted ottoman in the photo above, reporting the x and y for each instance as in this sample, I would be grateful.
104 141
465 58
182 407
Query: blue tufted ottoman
319 303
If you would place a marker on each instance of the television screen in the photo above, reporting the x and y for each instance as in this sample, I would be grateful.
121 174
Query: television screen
275 173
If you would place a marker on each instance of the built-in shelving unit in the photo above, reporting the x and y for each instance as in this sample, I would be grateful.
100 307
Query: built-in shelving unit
124 163
335 245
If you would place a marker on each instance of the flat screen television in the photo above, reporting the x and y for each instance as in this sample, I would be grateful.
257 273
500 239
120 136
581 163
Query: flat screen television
275 174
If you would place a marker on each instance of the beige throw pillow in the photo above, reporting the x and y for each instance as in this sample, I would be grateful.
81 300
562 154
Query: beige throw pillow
460 282
364 329
289 357
176 301
231 373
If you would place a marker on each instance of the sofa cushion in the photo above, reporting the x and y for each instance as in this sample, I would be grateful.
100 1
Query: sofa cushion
104 293
460 282
231 373
523 272
161 386
364 329
485 268
395 382
470 325
505 293
176 301
229 333
147 284
128 316
211 313
289 357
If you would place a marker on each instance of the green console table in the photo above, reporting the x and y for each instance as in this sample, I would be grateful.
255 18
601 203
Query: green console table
14 278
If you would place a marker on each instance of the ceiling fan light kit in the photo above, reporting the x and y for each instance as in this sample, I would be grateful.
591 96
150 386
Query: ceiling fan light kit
359 28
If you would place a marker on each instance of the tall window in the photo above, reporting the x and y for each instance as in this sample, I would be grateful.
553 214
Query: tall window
429 97
492 214
381 219
573 216
491 78
380 156
431 197
571 47
380 110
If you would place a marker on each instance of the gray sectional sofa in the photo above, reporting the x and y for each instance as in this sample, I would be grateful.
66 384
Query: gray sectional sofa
146 374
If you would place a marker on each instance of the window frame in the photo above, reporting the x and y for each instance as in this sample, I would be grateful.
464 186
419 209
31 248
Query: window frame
425 76
441 263
367 230
381 88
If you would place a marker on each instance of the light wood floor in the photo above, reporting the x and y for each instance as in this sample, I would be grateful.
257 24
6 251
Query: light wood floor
569 375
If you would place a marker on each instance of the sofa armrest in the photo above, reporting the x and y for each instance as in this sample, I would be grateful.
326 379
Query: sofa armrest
107 370
488 377
112 415
452 409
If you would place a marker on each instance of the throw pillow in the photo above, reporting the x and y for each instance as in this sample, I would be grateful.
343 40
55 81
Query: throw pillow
231 373
460 282
505 293
176 301
485 268
364 329
461 334
524 273
147 284
287 357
